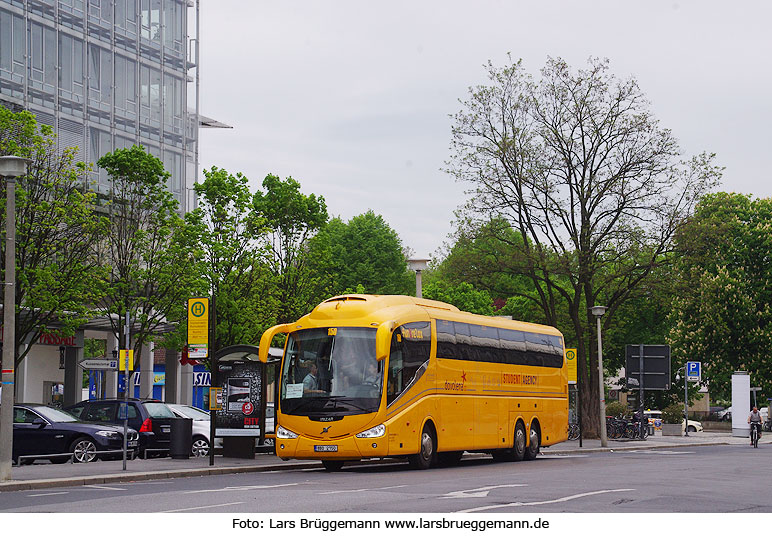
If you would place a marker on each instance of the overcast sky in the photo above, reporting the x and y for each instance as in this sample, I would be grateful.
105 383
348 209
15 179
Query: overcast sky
352 98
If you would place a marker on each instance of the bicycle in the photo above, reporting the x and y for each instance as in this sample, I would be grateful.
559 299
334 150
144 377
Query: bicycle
755 434
633 430
573 431
615 427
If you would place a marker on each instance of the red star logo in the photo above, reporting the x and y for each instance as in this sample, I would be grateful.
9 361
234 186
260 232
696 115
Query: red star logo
463 376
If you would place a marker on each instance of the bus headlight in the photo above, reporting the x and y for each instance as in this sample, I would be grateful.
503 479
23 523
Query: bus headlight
375 432
281 432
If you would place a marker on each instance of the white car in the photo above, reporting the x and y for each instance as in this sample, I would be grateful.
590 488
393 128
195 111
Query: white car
655 419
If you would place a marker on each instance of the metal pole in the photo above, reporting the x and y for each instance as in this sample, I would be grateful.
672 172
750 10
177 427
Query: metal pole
213 376
126 331
641 395
686 403
9 333
579 408
601 392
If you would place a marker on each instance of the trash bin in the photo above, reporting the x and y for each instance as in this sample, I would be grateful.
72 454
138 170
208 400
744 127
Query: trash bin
651 430
181 440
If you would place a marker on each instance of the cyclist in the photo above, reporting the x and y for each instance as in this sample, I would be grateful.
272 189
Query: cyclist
754 418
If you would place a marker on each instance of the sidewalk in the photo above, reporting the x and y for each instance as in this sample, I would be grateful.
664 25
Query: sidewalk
40 476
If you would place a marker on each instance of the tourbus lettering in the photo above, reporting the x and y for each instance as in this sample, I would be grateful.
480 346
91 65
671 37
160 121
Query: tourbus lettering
413 333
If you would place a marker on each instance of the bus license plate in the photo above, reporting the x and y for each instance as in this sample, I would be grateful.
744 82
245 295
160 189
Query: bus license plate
325 448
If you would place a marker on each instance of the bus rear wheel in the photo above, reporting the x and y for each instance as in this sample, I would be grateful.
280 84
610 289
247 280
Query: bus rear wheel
426 455
332 466
535 443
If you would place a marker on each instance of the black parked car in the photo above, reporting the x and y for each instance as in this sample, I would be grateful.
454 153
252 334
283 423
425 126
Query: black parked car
151 418
42 430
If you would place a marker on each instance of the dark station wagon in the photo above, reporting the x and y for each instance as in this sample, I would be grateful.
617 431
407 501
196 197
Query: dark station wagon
150 417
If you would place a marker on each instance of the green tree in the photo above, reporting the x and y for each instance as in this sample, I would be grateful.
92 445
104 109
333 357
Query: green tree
578 165
292 219
57 273
364 252
149 250
721 315
462 295
233 269
477 256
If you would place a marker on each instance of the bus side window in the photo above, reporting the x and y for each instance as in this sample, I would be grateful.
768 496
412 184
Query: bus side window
410 347
394 382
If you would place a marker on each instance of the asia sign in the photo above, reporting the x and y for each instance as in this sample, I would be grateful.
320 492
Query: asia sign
198 328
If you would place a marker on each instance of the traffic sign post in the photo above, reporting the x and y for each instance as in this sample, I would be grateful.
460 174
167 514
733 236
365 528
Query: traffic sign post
99 364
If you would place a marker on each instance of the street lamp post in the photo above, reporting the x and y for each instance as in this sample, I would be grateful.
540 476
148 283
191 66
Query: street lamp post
598 311
11 167
418 265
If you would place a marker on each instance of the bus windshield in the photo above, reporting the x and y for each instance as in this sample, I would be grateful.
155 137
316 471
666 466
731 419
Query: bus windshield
331 371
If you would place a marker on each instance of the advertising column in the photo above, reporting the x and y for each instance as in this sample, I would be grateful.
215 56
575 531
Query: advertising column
741 403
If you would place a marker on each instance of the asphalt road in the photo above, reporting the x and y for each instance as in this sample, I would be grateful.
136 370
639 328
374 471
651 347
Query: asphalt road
692 479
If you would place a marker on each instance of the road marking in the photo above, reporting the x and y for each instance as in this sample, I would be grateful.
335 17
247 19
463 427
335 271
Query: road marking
102 487
202 507
558 456
545 502
361 490
481 492
659 452
245 487
46 494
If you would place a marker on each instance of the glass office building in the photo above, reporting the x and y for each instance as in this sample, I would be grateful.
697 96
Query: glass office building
106 74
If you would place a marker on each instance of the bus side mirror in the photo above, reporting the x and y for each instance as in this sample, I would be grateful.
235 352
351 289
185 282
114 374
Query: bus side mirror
382 340
265 341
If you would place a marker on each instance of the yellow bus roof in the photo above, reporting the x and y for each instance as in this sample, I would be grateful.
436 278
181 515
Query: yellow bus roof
363 310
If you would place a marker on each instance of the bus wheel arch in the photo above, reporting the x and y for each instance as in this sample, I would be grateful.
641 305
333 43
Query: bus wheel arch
534 441
427 448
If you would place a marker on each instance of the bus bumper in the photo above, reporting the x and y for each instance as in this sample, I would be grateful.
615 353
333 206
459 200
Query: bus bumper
347 448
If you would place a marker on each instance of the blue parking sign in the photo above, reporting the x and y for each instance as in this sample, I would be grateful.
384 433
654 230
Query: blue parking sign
693 371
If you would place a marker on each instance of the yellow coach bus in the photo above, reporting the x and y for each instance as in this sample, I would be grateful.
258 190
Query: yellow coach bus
367 376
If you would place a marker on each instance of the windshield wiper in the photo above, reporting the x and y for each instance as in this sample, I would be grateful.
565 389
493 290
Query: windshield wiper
347 401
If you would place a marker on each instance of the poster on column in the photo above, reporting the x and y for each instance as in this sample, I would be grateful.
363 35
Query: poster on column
241 383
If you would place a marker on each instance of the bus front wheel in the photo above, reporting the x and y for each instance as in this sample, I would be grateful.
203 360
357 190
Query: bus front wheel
426 454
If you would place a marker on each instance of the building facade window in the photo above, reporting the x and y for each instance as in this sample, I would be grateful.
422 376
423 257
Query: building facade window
71 96
100 81
125 93
13 38
99 145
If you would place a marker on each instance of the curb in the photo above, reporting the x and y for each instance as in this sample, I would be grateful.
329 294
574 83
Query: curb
35 484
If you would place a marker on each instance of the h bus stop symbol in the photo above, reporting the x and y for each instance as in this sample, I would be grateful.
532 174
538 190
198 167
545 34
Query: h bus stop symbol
693 371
